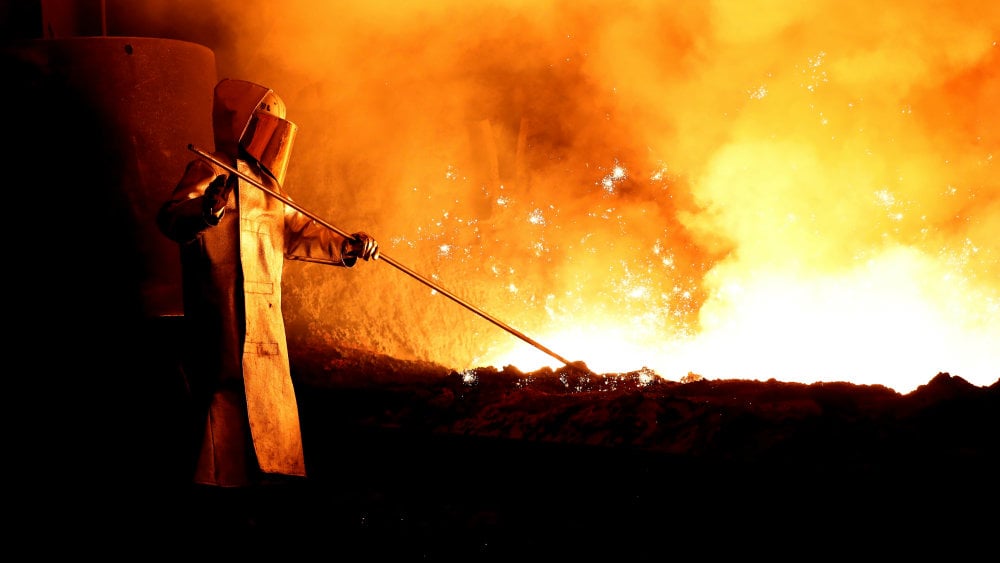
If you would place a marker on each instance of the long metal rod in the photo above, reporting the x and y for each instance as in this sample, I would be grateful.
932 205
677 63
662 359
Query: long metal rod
382 257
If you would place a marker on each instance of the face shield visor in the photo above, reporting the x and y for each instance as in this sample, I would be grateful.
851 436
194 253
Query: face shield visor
268 139
252 117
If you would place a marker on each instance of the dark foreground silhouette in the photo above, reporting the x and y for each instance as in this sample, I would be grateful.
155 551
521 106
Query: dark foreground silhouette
413 462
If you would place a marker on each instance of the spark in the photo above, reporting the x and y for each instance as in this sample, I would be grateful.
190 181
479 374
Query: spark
885 198
536 217
816 76
638 292
618 174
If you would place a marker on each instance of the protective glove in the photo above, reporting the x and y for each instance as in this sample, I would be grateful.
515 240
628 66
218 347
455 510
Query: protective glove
360 245
215 198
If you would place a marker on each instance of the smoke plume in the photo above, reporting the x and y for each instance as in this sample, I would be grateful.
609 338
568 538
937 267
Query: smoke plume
803 191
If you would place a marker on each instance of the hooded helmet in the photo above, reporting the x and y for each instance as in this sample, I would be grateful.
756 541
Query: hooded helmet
252 117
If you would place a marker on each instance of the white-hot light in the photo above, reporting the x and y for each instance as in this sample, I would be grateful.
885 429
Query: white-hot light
889 322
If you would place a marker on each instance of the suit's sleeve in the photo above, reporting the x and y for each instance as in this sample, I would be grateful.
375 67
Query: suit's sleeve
309 240
181 218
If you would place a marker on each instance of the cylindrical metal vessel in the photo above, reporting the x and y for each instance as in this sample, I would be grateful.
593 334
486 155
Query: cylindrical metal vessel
109 119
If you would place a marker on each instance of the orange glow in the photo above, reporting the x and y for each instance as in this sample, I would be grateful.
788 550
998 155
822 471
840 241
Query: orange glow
870 326
804 191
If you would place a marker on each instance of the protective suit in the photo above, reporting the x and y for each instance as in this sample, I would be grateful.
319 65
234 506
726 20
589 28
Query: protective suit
233 239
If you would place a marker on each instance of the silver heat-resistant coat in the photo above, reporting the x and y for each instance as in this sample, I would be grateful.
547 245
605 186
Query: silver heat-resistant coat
232 301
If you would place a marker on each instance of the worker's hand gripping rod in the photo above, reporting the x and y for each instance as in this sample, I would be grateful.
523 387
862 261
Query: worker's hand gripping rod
252 181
